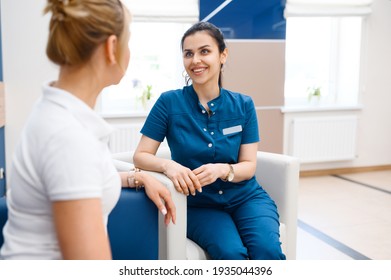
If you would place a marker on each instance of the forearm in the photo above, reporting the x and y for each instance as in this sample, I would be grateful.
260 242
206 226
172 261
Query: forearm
247 162
209 173
147 161
243 171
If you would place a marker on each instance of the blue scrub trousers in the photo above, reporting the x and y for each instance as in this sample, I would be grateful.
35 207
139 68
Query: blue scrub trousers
249 230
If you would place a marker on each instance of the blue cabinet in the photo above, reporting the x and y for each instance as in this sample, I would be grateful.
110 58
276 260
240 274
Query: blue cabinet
246 19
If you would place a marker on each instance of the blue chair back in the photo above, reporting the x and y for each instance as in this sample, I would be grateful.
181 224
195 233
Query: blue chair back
3 217
132 226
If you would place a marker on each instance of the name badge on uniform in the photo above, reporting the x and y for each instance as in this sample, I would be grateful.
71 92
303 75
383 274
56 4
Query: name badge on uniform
232 129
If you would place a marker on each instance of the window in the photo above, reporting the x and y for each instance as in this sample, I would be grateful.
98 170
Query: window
155 61
322 56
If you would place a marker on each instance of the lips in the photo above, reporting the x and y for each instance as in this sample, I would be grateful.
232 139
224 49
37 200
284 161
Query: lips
199 70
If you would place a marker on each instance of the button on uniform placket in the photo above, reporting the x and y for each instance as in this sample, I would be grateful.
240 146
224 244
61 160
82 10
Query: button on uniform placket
210 131
211 124
205 129
220 192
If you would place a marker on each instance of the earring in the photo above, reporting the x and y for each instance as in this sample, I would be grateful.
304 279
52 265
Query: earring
187 79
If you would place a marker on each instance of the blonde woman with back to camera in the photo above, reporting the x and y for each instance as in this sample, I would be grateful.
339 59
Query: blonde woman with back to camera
63 183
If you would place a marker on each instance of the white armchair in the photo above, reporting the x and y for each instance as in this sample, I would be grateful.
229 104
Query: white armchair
278 175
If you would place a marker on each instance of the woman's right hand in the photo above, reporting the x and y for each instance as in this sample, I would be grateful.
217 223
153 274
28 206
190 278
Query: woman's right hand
159 195
183 178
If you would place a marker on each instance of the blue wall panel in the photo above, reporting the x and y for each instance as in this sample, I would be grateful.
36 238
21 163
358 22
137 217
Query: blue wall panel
247 19
2 161
1 52
2 146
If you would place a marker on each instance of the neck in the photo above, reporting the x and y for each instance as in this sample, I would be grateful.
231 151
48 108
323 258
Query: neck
80 83
207 92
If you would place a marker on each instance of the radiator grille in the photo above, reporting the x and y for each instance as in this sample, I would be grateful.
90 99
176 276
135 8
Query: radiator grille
125 138
324 139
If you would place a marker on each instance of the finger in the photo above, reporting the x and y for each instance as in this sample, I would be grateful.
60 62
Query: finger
167 219
171 213
177 185
202 179
190 185
195 180
159 204
198 170
183 186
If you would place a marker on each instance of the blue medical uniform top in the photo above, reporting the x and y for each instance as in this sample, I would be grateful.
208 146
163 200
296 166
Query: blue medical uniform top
196 137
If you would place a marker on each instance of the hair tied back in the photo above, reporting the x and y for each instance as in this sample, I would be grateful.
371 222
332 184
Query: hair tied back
58 9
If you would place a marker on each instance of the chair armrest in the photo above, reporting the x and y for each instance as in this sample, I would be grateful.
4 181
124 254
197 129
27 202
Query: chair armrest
279 175
172 237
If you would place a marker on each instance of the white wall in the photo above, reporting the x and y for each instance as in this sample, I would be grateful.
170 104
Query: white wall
25 66
375 134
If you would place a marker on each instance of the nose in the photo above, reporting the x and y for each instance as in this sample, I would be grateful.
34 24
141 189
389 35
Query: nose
196 58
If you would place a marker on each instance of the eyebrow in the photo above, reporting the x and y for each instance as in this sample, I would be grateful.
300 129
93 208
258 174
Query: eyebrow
202 47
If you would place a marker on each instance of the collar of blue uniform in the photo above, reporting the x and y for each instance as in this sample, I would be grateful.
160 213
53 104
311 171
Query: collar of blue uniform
212 104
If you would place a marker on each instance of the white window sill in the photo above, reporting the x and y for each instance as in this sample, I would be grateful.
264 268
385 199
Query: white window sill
320 108
123 115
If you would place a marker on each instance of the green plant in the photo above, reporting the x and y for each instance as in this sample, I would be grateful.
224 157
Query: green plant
147 95
314 92
148 92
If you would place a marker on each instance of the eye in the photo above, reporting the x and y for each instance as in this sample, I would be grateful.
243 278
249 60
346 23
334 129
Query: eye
204 51
187 54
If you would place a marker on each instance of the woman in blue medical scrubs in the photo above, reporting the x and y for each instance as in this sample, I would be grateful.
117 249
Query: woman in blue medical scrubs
213 137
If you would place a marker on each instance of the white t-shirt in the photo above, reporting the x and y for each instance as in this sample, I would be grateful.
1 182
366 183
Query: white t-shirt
62 155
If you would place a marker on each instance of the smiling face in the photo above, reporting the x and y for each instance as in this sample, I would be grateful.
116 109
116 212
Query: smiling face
202 59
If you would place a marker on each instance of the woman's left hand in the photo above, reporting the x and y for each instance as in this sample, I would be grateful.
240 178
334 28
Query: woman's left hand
209 173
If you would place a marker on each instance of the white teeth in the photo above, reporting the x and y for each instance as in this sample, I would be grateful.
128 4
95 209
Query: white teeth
198 70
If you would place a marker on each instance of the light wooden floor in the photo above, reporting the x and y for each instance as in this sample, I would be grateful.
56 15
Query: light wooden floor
345 217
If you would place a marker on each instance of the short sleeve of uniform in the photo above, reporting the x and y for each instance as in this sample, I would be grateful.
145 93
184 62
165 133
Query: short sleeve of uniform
156 124
250 131
72 166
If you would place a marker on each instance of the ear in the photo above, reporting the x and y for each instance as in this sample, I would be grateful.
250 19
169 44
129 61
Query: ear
111 49
223 56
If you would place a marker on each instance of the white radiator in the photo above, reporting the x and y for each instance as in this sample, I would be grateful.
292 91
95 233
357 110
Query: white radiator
125 137
324 139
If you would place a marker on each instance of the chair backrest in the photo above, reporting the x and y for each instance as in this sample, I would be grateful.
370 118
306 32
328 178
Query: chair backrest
132 226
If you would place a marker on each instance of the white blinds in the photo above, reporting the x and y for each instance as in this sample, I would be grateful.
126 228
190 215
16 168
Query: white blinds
300 8
166 11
